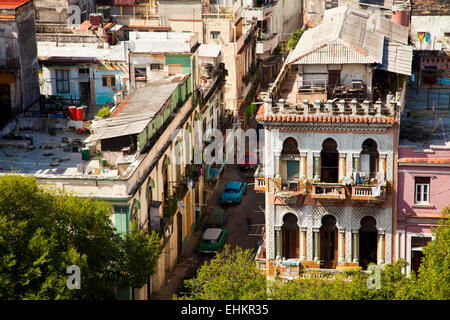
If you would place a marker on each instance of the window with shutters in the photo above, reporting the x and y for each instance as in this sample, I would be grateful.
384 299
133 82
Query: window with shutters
121 221
109 81
422 190
62 81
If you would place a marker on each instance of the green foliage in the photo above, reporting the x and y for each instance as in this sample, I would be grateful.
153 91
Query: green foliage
104 112
230 275
434 272
295 37
277 51
43 231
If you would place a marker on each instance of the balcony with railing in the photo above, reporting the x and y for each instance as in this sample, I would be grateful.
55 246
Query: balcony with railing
367 193
266 41
328 191
260 180
287 191
261 12
228 10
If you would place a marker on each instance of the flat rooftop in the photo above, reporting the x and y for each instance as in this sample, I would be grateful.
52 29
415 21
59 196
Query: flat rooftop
45 155
76 51
134 114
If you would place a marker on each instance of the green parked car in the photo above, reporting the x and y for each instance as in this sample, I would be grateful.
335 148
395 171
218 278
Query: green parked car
213 240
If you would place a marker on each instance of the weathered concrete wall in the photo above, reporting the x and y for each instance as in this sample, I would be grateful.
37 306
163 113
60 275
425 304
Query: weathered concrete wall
182 16
436 26
28 56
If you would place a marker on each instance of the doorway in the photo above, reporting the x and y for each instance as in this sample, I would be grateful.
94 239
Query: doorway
5 104
290 248
84 92
328 242
368 238
329 162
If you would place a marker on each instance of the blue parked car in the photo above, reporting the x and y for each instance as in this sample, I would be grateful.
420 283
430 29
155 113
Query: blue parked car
234 191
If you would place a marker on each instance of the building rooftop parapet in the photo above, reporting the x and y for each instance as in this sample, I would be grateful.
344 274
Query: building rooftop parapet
329 111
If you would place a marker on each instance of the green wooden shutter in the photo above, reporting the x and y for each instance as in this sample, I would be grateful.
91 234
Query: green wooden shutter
292 169
121 219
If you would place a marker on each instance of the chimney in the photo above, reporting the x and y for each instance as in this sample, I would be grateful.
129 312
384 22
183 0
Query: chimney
400 15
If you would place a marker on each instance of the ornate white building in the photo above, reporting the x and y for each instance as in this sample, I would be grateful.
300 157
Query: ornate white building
330 140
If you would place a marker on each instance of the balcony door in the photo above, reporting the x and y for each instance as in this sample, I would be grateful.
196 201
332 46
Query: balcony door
328 242
290 247
329 162
368 238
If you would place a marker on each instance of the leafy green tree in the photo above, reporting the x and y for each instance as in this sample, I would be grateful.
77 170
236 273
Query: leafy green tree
43 231
103 112
295 37
434 272
230 275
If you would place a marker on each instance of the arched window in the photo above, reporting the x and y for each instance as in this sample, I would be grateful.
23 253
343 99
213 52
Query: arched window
368 236
368 160
329 162
290 163
328 242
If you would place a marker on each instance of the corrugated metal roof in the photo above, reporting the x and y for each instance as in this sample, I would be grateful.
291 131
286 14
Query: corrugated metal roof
142 107
336 52
352 36
397 58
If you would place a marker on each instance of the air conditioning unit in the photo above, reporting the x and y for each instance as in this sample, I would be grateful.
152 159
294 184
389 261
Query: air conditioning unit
357 84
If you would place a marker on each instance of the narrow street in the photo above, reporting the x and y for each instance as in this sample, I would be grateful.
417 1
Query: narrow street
252 204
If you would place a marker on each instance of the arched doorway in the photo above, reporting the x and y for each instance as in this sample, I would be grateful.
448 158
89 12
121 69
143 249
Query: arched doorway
369 159
290 163
368 236
329 162
290 247
328 242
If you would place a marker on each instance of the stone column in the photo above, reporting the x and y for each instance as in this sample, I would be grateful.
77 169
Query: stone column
381 247
302 243
341 245
277 244
277 165
316 165
382 167
341 166
356 162
302 165
316 244
355 245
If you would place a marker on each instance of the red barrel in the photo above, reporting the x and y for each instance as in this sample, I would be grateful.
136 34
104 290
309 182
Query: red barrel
80 113
72 112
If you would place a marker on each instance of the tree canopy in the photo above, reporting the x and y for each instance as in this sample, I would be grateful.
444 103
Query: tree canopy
43 231
233 275
294 38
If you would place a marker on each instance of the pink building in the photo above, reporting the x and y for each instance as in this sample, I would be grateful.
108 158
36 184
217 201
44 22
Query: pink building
423 192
